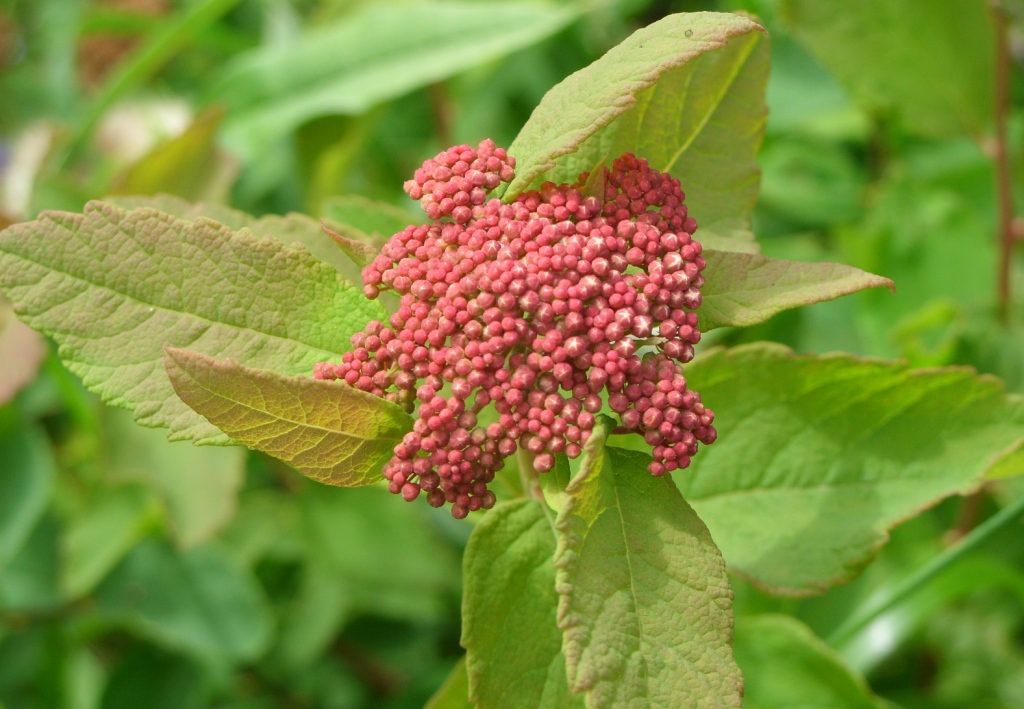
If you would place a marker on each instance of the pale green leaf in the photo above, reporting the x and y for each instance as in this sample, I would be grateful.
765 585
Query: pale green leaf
198 601
745 289
372 56
324 429
817 456
454 693
785 666
509 630
98 538
645 604
377 220
27 472
198 487
115 287
22 350
288 229
931 62
687 94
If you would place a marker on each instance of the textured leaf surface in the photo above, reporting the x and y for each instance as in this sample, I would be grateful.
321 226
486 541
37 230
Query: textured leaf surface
745 289
22 350
369 57
645 604
114 287
324 429
930 61
785 665
287 229
513 646
198 486
687 93
198 601
817 456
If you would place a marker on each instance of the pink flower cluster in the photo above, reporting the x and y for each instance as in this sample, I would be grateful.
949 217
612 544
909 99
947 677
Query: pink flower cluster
537 310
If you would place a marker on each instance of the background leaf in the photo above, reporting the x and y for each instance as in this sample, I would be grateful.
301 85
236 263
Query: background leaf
114 287
747 289
375 55
645 605
324 429
198 601
28 474
932 63
509 630
454 693
785 665
687 93
819 455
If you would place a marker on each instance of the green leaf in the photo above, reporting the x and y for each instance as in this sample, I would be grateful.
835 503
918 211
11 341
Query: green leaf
372 56
198 601
454 693
188 165
350 531
645 605
817 456
687 94
509 630
745 289
22 350
197 486
28 471
288 229
96 540
324 429
114 287
930 62
785 665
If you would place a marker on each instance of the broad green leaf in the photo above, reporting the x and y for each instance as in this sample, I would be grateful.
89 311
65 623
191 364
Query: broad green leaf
311 621
197 486
369 57
197 601
509 607
188 165
745 289
27 472
29 581
22 350
288 229
97 539
785 665
932 62
1008 467
114 287
324 429
817 456
454 693
687 94
645 605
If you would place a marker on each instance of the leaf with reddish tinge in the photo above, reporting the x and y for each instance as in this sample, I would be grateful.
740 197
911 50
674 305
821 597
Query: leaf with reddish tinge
687 94
745 289
645 605
324 429
818 456
114 287
360 252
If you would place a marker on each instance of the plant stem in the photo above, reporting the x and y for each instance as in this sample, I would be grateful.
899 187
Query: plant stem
868 613
1004 194
531 484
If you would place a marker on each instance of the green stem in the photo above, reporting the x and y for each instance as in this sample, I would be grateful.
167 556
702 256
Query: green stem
531 484
1004 195
868 613
175 35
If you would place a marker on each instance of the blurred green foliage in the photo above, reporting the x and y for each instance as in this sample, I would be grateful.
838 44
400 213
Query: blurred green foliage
139 573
